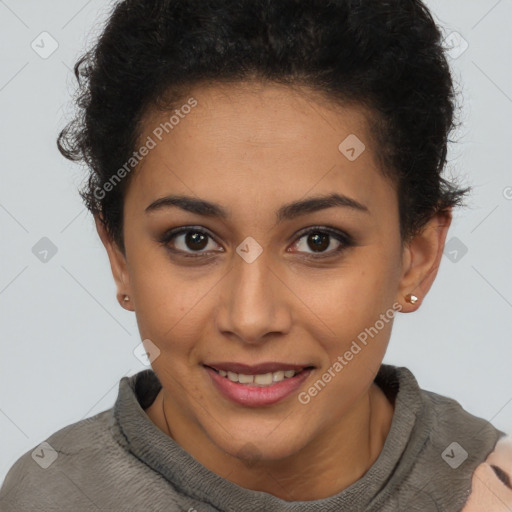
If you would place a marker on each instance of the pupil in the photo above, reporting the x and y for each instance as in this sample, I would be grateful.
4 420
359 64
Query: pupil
320 241
195 240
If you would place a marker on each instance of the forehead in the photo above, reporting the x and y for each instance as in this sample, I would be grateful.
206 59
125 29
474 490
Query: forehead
258 113
251 143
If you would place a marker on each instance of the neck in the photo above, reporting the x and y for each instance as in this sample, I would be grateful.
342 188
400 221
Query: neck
333 461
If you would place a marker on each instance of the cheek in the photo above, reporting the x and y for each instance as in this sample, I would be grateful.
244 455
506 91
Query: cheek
169 302
356 316
346 306
363 286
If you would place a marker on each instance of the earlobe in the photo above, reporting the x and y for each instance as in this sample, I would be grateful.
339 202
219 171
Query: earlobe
117 265
421 259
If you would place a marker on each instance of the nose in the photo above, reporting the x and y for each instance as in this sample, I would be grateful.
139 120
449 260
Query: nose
254 304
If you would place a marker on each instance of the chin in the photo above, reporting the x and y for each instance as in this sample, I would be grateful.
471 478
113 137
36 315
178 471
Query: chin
254 447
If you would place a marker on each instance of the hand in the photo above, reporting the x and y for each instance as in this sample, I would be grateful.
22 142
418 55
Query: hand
489 493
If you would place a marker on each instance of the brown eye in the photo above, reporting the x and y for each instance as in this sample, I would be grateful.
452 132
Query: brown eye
195 240
189 242
318 243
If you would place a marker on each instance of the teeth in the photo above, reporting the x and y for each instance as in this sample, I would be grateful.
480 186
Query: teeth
247 379
278 376
264 379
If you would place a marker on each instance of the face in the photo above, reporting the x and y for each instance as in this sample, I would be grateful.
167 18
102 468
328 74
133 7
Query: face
268 276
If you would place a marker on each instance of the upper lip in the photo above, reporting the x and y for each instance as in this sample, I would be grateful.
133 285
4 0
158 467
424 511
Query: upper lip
256 369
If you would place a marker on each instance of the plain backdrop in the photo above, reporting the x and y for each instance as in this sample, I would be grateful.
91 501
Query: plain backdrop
64 340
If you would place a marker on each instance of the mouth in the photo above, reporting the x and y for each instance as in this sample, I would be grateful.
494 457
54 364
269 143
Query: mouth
257 385
257 377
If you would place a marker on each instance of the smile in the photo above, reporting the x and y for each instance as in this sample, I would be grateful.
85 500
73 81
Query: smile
261 379
259 385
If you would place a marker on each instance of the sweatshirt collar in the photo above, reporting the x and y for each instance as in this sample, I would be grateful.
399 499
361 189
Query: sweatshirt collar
139 435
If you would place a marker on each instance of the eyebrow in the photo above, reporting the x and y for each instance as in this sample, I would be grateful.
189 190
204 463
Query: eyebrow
286 212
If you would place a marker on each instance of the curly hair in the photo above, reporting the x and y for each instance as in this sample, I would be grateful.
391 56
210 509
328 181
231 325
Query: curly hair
384 55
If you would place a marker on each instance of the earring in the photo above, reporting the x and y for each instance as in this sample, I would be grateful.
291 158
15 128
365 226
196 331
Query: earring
411 299
126 298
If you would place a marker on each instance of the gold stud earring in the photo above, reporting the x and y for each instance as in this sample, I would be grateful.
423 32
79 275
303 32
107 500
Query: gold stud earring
411 299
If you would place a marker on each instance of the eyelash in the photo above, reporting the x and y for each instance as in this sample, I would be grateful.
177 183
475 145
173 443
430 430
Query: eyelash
345 240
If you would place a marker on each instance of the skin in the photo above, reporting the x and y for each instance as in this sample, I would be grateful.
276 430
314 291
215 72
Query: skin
252 148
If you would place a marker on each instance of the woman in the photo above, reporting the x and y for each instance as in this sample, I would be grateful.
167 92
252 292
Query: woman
266 178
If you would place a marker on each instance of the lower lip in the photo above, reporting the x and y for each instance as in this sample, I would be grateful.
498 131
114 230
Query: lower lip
256 396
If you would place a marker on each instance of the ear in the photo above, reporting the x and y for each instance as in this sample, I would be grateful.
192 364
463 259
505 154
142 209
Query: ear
421 258
117 264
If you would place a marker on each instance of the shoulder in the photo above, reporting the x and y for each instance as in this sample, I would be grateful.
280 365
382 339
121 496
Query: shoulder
480 453
64 467
445 446
451 422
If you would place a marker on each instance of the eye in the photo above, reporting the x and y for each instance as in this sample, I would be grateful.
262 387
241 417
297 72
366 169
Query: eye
189 240
192 242
323 242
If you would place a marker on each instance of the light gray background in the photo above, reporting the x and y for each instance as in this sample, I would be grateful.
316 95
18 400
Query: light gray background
66 342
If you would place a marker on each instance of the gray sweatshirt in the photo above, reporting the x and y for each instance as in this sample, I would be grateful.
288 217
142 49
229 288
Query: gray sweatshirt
119 460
